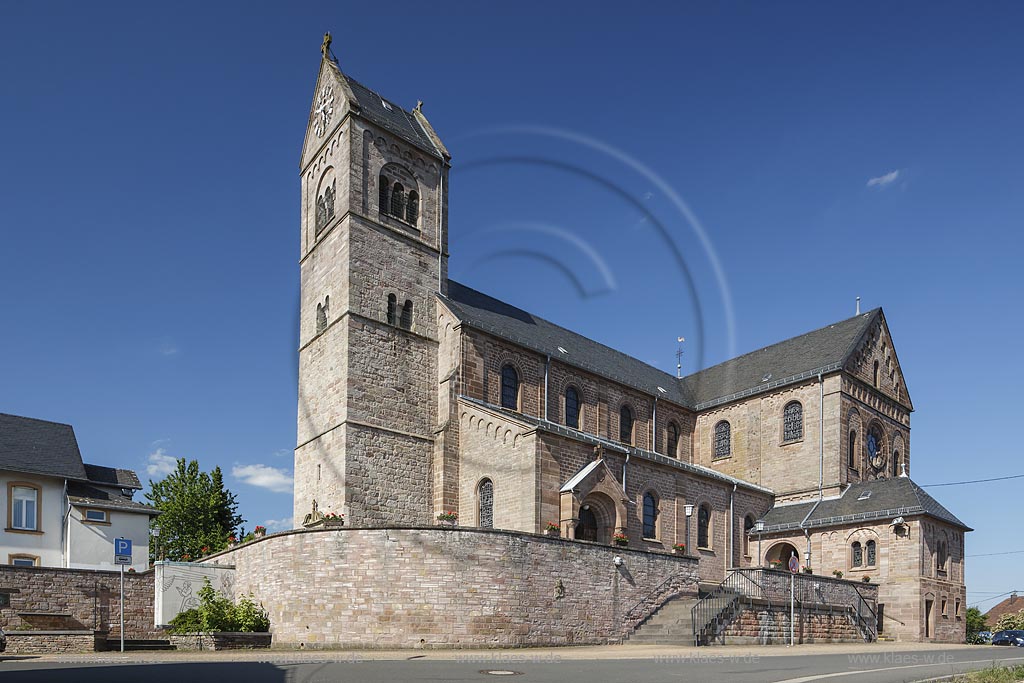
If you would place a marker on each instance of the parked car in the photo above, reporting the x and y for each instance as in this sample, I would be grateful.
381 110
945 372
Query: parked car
985 636
1013 637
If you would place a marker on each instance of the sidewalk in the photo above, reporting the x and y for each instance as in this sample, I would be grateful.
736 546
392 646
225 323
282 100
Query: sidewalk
539 655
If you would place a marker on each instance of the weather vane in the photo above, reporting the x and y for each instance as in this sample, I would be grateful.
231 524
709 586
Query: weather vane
679 358
325 48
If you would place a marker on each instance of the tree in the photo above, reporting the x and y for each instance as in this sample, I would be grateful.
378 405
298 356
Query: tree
976 622
198 512
1010 621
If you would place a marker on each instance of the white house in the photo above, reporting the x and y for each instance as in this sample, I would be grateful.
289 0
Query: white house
60 511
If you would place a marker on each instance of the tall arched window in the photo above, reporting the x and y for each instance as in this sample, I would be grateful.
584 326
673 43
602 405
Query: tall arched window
383 204
412 207
748 524
872 553
397 200
895 463
392 309
793 421
941 555
321 315
485 495
650 515
874 377
625 425
704 526
723 440
572 408
406 321
672 440
851 458
509 388
857 555
329 201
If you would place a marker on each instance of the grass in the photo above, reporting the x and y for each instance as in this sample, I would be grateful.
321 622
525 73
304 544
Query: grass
994 674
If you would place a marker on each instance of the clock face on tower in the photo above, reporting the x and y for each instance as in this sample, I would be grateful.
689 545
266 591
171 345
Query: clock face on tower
324 110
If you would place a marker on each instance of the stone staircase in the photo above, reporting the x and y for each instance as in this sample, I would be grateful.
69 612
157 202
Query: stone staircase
671 624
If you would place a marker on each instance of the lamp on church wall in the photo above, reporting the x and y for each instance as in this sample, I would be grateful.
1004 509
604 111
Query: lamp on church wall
689 513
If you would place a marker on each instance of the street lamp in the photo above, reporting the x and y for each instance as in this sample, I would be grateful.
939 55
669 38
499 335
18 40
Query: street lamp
156 536
759 528
689 513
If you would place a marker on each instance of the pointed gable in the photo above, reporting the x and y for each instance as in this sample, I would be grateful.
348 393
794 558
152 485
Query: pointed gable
873 361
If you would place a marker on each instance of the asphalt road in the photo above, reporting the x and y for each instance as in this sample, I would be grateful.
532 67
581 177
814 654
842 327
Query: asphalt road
709 665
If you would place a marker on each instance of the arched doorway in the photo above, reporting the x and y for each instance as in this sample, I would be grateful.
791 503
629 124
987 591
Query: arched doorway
597 519
780 553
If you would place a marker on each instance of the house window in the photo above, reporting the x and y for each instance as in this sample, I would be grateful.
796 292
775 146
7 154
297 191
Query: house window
650 515
704 526
572 408
872 553
851 458
24 510
944 612
98 516
672 442
509 388
793 421
412 208
485 495
406 321
748 524
23 560
392 309
625 425
956 608
858 555
723 440
382 199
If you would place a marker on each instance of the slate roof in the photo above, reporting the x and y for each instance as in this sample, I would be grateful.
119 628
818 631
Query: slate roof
888 499
394 119
39 447
516 325
90 496
112 476
823 350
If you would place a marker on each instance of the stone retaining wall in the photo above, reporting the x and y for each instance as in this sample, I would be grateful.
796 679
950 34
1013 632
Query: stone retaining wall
54 642
220 641
764 624
48 598
433 587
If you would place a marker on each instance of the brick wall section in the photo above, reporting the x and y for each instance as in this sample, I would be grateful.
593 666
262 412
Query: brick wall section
450 588
89 598
769 625
53 642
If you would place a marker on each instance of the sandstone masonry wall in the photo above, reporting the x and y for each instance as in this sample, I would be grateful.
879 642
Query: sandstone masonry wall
451 588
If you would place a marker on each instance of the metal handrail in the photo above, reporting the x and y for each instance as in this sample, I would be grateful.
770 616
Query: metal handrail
636 610
745 585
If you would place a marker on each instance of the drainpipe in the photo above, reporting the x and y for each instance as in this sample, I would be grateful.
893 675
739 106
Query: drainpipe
440 230
821 438
732 526
654 427
547 370
624 464
65 531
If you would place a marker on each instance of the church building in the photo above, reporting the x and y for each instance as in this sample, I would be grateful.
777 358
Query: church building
420 396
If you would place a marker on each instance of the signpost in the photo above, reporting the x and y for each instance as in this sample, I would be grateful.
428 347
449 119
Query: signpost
122 557
794 567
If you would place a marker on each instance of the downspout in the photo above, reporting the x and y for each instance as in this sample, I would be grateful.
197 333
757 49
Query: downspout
821 437
732 525
654 427
65 531
624 464
547 370
440 223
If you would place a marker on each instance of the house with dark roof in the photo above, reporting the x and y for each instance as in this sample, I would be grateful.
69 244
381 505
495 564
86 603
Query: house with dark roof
62 512
419 396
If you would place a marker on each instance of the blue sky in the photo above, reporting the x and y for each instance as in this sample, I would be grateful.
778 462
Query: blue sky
150 204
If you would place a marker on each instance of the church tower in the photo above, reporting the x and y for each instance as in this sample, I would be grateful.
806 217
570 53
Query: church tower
374 239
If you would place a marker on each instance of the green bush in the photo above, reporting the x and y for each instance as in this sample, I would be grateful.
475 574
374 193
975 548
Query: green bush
217 613
1009 622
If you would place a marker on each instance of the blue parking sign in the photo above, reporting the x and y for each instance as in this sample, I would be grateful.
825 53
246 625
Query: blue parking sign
122 546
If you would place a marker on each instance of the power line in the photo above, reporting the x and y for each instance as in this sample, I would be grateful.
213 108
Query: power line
994 597
974 481
1008 552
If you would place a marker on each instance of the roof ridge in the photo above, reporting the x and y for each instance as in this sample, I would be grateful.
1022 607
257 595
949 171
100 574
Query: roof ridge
36 419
